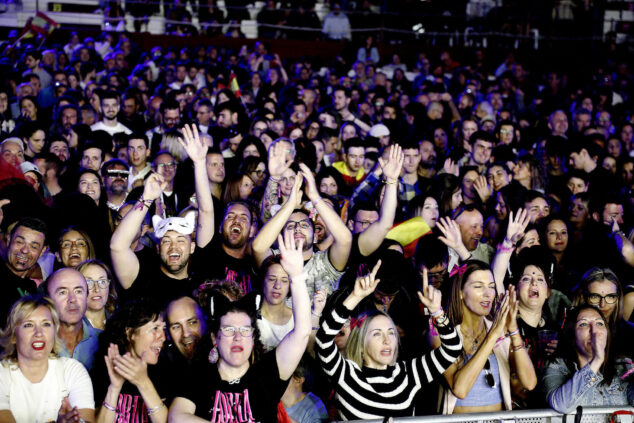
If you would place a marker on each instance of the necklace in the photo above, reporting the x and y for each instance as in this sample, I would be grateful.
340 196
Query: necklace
475 341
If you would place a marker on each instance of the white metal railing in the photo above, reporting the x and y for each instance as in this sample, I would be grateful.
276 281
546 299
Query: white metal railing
584 415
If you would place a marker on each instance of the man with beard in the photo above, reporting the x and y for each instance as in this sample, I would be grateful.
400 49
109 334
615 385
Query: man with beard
227 254
114 174
169 275
322 267
110 107
26 244
171 119
341 98
69 291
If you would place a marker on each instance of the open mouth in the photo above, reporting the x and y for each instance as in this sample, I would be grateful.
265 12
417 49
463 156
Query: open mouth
235 229
485 304
237 349
38 345
96 298
174 256
533 293
156 350
21 260
386 352
74 256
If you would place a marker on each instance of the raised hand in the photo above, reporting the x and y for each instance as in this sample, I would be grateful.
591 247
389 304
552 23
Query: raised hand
451 167
517 225
482 187
277 160
154 186
319 300
598 341
430 297
452 237
295 198
365 285
511 318
311 186
291 251
394 164
500 318
195 148
133 369
116 380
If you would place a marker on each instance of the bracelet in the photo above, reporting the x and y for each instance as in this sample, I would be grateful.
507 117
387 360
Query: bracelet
274 179
315 327
108 406
441 321
317 202
504 249
518 348
385 181
146 203
156 409
515 332
315 314
436 313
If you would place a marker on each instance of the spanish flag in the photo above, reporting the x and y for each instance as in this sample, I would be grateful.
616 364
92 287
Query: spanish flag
40 24
408 233
233 85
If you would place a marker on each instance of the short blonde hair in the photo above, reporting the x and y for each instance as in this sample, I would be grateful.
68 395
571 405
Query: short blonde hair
20 311
355 347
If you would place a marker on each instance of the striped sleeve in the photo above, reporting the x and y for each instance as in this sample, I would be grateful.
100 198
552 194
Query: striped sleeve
433 364
327 352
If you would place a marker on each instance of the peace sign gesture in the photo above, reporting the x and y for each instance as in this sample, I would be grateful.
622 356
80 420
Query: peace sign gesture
430 296
365 285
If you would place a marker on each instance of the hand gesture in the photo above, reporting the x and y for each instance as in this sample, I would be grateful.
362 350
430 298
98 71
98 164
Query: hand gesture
517 225
311 186
292 254
500 318
195 148
296 194
451 167
66 413
154 186
615 225
133 369
277 160
598 340
452 237
319 300
394 164
511 318
3 203
430 297
482 188
116 380
365 285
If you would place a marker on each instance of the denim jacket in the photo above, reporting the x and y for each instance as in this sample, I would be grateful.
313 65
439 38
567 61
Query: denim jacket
566 390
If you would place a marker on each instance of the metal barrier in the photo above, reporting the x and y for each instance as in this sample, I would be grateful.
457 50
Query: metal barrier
586 415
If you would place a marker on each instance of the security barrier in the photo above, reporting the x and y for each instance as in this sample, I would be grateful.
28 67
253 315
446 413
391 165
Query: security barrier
583 415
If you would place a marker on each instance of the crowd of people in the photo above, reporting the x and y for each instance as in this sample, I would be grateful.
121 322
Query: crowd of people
310 246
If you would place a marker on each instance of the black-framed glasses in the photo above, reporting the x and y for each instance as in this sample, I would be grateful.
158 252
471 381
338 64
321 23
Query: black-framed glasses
230 331
488 376
101 283
595 299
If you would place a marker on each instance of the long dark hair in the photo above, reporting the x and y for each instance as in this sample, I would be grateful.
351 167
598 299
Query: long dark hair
567 346
131 315
459 280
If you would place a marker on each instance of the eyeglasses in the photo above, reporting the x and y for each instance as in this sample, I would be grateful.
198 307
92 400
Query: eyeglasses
364 223
102 283
292 225
230 331
488 375
170 165
80 243
117 173
595 299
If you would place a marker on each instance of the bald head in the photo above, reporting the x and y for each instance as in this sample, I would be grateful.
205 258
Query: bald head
186 324
69 291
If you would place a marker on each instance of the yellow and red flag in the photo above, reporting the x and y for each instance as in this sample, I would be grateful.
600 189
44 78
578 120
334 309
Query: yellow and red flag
408 233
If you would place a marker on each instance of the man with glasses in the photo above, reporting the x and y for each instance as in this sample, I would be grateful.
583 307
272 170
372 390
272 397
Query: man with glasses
171 202
322 267
68 290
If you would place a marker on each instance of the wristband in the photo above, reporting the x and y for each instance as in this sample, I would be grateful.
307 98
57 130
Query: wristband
518 348
436 313
315 327
274 179
504 249
108 406
315 314
146 203
385 181
156 409
515 332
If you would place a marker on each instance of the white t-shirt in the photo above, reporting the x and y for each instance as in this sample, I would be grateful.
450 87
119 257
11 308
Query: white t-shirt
100 126
40 402
271 334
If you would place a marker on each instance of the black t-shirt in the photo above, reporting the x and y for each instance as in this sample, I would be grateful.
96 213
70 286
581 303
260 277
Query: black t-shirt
153 283
253 398
12 288
360 265
130 405
215 263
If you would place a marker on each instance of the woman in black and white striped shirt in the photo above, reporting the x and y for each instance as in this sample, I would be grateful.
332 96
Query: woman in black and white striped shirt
370 383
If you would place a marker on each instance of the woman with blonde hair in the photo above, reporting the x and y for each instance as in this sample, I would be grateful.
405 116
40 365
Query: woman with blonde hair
35 384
